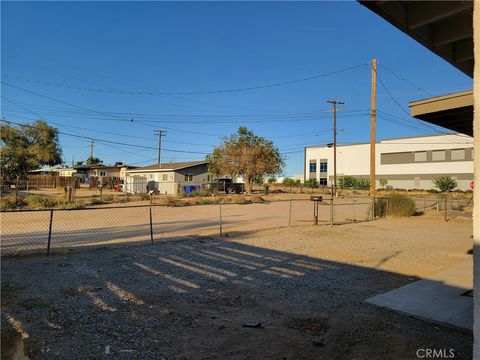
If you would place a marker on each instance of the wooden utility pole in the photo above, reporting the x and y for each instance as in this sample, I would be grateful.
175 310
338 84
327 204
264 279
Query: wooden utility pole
373 121
160 133
335 102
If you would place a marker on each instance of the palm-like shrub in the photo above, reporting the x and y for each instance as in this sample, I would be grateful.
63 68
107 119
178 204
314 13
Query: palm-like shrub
445 183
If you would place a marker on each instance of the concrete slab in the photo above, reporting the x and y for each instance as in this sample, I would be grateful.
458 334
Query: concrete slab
439 299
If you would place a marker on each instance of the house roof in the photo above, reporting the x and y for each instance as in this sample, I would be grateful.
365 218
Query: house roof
171 166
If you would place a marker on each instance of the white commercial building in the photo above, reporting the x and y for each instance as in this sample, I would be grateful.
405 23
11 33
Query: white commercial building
406 163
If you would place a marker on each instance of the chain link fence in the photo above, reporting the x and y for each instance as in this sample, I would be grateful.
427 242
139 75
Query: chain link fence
51 230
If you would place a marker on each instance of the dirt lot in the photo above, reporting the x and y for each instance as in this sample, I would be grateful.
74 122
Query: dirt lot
189 299
28 231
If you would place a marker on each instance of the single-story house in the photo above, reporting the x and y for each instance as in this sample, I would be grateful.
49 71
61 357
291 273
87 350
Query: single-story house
118 170
170 178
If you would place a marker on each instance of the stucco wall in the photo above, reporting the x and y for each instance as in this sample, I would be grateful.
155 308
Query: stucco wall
354 160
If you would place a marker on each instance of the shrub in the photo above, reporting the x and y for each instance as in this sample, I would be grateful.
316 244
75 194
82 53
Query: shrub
353 182
383 182
95 201
39 201
312 183
445 183
288 182
400 205
200 193
205 201
272 180
257 199
381 207
7 203
108 198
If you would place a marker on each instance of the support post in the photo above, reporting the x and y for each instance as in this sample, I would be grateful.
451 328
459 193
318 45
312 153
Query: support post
331 212
373 121
50 232
290 214
446 207
151 224
476 179
221 221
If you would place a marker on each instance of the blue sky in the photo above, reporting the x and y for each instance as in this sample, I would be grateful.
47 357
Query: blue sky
87 68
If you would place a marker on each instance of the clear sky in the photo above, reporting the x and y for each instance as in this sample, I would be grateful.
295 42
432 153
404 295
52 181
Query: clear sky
101 70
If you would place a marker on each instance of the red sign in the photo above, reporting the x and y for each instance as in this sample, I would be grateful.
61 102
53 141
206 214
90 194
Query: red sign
471 185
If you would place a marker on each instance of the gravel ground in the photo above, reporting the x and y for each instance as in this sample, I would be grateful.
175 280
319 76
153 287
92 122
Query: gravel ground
190 299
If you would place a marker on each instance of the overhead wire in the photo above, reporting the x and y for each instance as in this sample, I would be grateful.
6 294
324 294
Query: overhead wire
204 92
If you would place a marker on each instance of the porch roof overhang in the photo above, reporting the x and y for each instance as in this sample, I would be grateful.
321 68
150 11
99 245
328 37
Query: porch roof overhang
445 28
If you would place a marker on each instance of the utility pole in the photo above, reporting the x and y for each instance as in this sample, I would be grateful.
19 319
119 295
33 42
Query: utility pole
335 102
159 133
91 150
373 121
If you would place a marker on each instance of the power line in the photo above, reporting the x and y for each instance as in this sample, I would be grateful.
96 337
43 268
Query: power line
108 141
400 77
207 92
398 104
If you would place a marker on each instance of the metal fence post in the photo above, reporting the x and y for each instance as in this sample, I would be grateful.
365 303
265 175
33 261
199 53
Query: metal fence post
373 208
331 211
221 220
151 224
50 232
290 214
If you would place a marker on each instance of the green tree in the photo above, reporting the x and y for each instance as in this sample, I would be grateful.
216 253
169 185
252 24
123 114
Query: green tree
311 183
272 180
93 161
27 148
288 182
245 154
445 183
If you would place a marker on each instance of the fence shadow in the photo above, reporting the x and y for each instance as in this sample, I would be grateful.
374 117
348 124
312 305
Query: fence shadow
192 299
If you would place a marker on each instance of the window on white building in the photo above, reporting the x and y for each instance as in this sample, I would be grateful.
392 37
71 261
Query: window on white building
323 182
458 154
313 166
420 156
103 173
188 177
438 155
165 177
323 166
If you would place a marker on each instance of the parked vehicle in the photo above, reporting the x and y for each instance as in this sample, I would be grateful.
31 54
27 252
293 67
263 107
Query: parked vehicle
226 186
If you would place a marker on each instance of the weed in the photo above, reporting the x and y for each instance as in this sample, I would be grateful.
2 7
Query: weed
40 201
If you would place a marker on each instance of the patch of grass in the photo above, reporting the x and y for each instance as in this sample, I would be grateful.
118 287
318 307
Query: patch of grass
206 201
96 201
33 303
108 198
77 204
40 201
8 202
